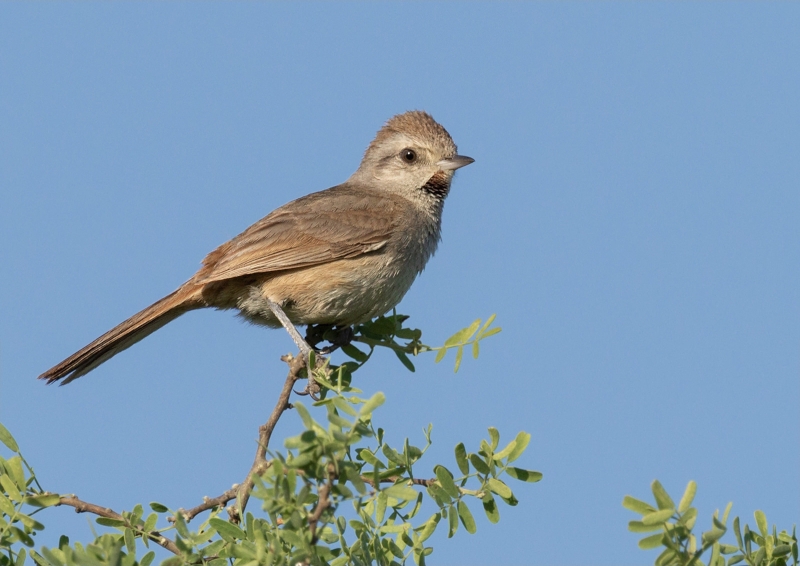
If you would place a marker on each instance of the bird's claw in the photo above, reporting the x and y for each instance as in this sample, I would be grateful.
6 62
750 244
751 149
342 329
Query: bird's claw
337 336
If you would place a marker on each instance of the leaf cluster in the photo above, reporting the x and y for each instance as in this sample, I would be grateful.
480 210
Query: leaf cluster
390 332
338 492
673 527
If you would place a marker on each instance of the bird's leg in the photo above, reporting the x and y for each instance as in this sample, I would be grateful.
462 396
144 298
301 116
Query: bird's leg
305 349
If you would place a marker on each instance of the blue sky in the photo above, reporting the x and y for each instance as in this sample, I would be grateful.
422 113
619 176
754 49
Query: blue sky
631 217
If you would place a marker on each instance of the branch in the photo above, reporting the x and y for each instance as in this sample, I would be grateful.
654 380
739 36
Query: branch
323 503
208 503
260 463
84 507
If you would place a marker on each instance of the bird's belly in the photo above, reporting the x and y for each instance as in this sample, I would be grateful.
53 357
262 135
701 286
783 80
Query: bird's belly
343 292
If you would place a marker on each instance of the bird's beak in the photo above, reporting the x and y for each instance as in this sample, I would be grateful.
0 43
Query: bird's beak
455 162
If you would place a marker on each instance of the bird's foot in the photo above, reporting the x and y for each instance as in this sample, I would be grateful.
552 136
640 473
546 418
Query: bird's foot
312 362
335 335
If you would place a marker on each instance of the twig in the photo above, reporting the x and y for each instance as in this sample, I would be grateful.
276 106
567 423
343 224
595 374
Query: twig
260 463
323 503
85 507
208 503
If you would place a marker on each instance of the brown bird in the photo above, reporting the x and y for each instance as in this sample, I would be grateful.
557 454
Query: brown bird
337 257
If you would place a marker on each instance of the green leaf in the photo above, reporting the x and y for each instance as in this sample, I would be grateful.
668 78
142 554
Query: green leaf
761 521
409 333
136 513
452 519
498 487
713 536
524 475
737 532
430 526
158 507
7 439
490 508
505 451
463 335
440 355
338 421
344 405
147 559
653 541
636 505
373 403
51 557
476 349
355 479
688 497
10 488
30 522
639 527
727 512
491 332
130 541
438 494
226 530
461 458
494 434
459 355
47 500
668 557
479 464
380 507
487 324
466 518
781 550
24 539
658 517
6 506
150 523
404 359
392 455
182 527
522 440
308 422
20 561
663 500
401 491
370 458
445 479
107 522
715 557
688 519
355 353
14 467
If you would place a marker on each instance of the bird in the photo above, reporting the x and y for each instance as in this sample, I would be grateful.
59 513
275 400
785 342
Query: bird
337 257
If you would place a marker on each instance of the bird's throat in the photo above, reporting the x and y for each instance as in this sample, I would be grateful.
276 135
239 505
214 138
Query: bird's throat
437 186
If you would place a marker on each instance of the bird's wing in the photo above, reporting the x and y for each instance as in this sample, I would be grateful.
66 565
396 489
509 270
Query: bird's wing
338 223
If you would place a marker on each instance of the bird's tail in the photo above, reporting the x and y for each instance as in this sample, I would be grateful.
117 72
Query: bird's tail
125 335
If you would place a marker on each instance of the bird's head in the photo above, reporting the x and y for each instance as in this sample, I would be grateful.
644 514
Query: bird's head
412 155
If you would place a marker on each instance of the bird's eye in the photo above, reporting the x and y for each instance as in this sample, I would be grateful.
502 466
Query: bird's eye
408 155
